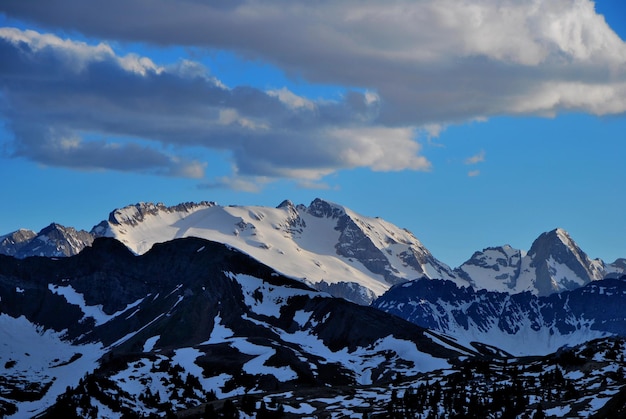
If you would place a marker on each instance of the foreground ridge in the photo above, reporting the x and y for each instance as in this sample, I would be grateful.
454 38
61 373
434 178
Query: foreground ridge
190 310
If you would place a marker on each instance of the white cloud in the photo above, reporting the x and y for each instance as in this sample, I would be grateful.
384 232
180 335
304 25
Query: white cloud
477 158
140 112
428 61
473 173
236 183
292 100
433 130
382 149
414 66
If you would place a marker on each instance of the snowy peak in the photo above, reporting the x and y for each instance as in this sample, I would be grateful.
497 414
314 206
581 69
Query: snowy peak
324 209
554 263
134 214
325 244
54 240
384 248
493 268
560 264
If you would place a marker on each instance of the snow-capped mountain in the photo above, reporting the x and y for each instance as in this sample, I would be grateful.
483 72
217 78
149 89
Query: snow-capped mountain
329 247
53 241
554 263
188 320
325 244
521 324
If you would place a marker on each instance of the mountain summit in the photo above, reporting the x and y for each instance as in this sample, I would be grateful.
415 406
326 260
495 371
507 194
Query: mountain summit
53 241
554 263
560 264
325 244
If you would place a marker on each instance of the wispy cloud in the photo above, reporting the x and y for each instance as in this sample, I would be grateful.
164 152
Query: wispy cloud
477 158
473 173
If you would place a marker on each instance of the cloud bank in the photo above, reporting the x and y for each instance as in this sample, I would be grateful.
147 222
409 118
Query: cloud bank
76 105
421 64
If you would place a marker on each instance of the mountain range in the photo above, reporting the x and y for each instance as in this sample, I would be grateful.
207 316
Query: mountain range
200 310
194 328
329 247
520 324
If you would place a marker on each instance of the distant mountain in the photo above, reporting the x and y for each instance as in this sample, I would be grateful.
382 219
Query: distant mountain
53 241
325 245
11 244
190 320
521 324
554 263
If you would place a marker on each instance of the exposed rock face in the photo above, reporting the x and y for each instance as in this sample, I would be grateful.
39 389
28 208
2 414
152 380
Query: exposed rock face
356 241
554 263
12 243
350 291
53 241
560 264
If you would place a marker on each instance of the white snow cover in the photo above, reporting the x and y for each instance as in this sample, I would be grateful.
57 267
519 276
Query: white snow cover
219 333
42 357
364 360
304 250
75 298
150 342
272 296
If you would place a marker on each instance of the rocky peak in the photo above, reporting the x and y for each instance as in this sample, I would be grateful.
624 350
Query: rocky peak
555 257
134 214
286 204
493 265
556 241
11 243
324 209
55 240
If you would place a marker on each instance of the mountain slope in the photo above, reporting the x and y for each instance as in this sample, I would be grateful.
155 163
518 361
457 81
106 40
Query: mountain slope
228 321
325 245
521 324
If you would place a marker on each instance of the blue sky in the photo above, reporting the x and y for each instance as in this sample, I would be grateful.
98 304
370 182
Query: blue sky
472 124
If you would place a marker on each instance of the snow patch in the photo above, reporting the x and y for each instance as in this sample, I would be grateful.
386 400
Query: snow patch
95 312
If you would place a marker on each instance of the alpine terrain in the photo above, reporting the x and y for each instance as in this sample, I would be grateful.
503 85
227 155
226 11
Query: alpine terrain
194 328
329 247
201 310
188 322
521 324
